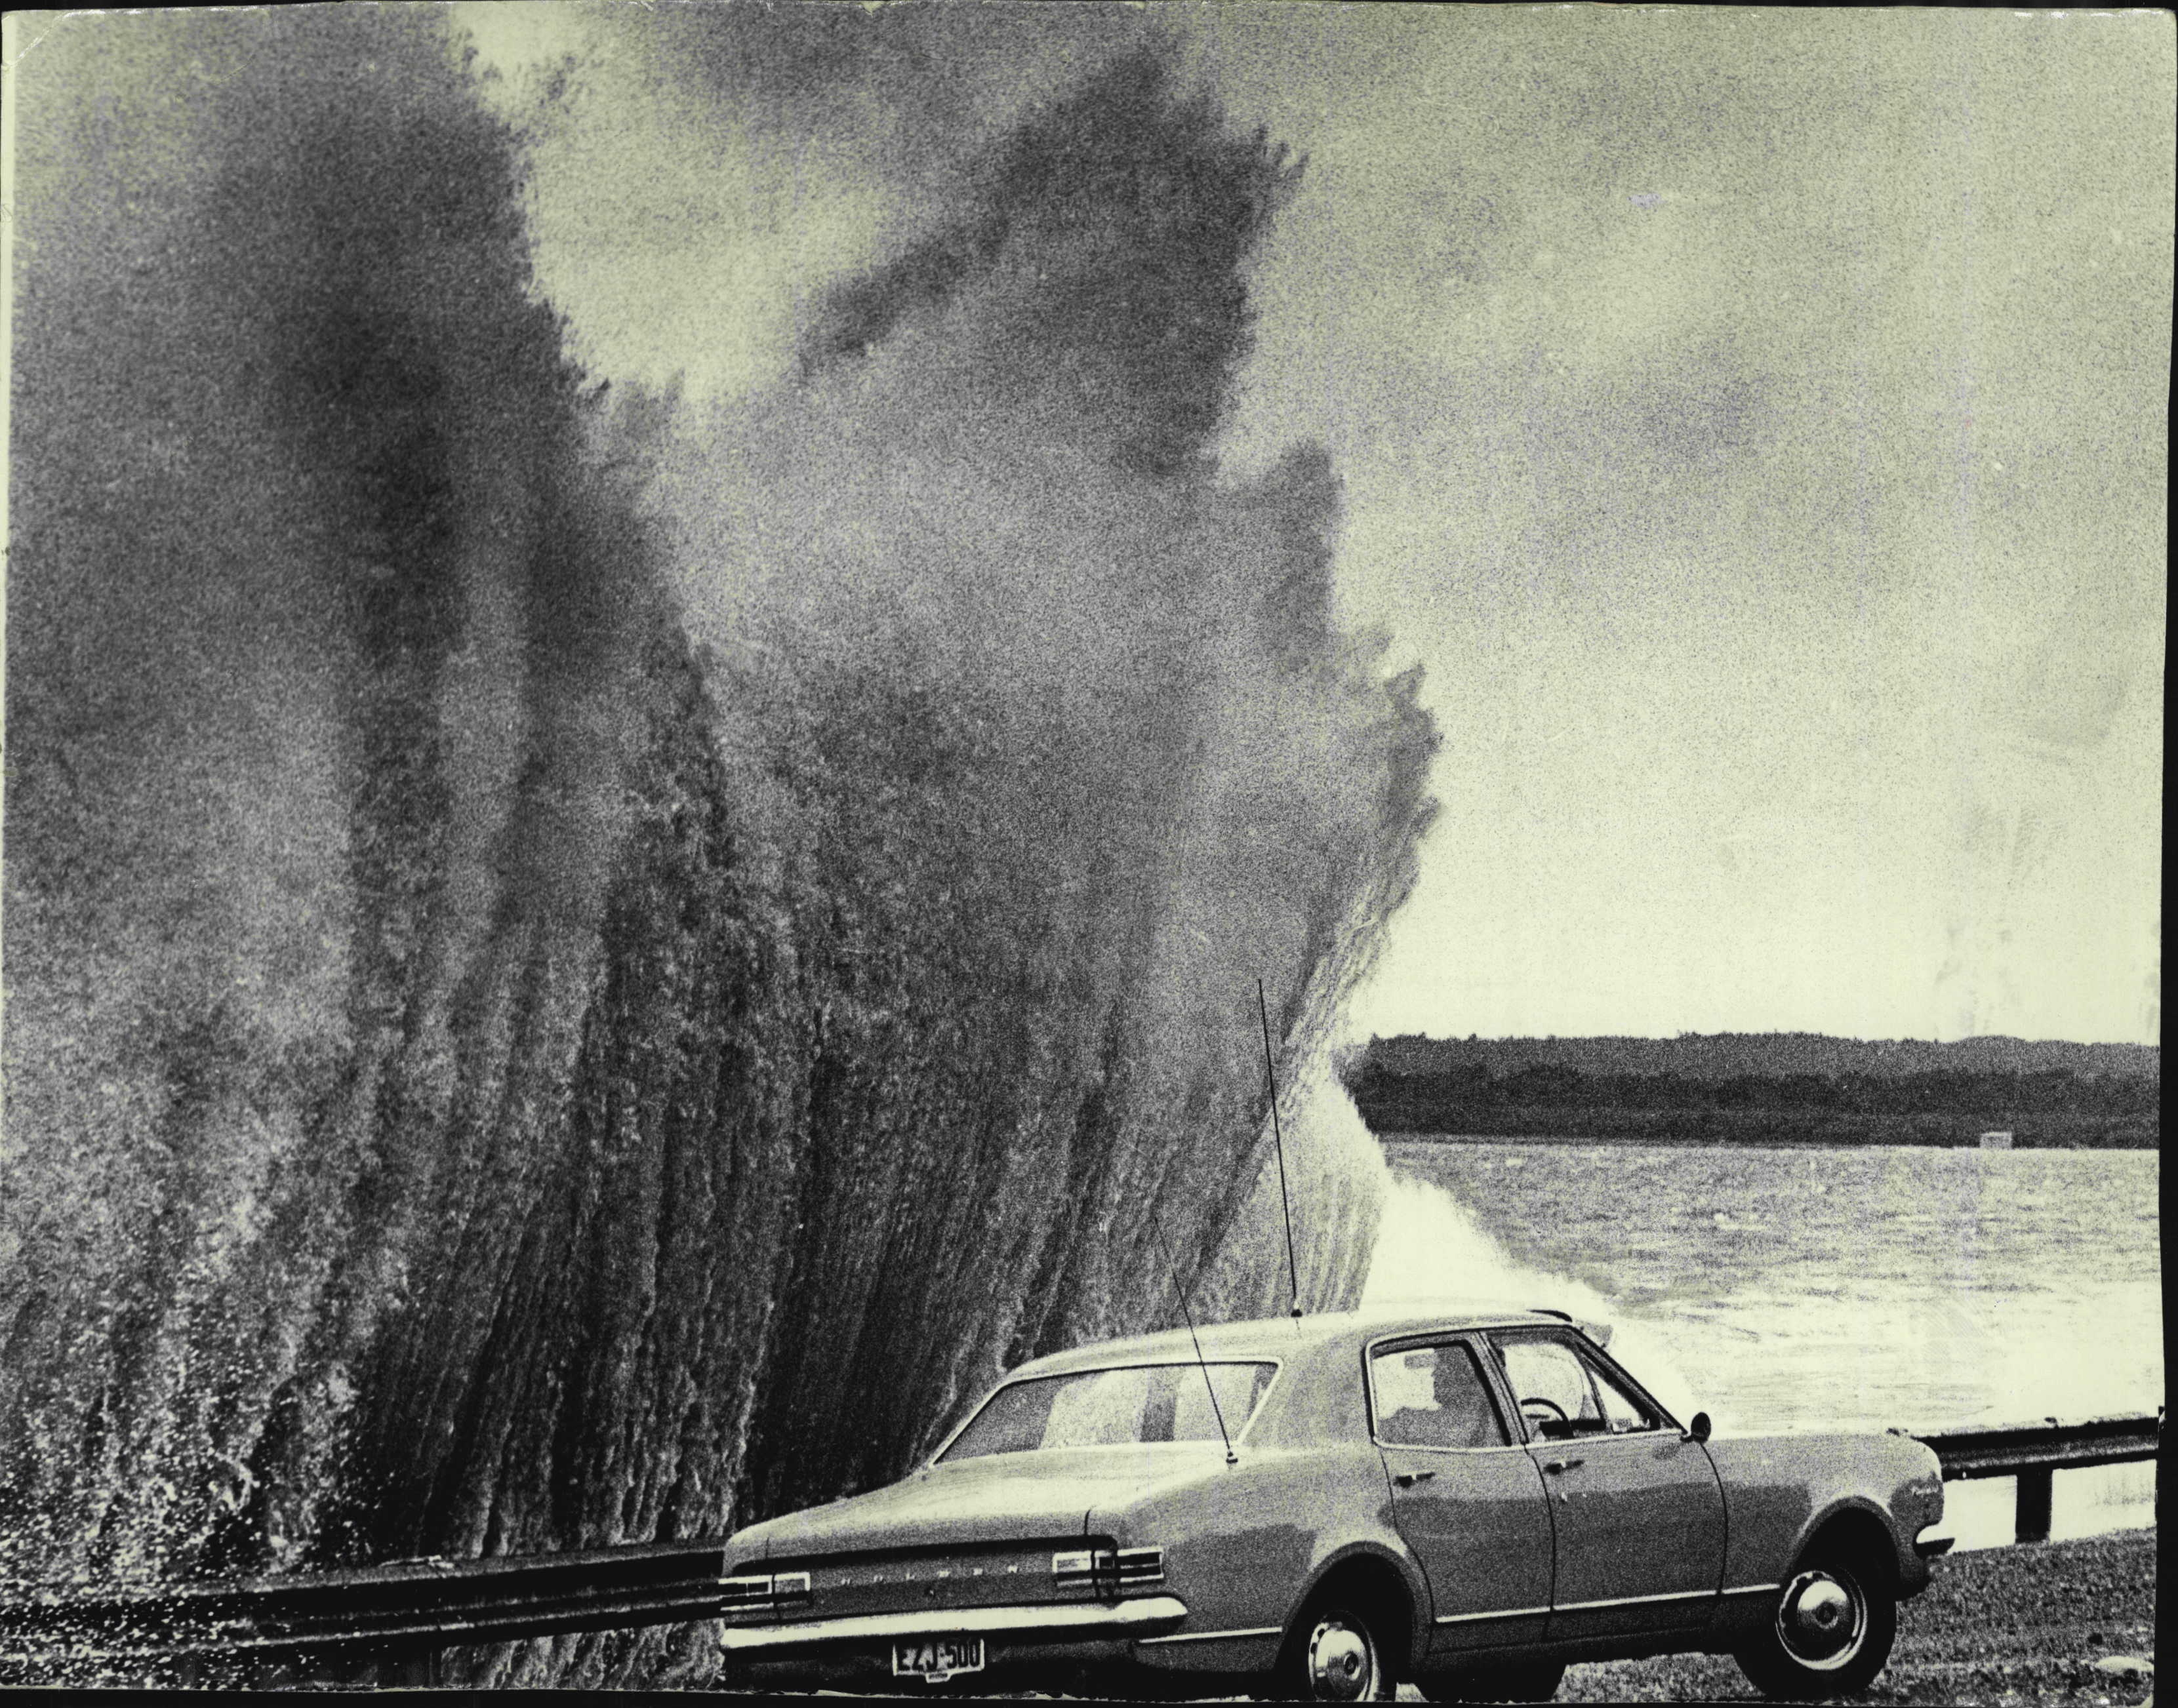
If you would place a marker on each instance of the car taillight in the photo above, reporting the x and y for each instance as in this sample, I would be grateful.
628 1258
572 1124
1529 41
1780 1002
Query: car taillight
751 1596
1119 1572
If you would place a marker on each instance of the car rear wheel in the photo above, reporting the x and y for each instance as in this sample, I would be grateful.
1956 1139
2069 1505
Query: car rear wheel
1334 1654
1830 1630
1536 1682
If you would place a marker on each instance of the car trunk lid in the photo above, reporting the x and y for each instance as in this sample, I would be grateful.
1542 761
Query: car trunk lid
1006 1531
1003 1499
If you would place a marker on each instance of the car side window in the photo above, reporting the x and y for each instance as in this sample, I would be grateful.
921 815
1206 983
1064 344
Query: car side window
1562 1393
1623 1413
1552 1386
1434 1396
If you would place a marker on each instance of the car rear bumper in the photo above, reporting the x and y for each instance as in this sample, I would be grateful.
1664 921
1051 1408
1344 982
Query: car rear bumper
1123 1620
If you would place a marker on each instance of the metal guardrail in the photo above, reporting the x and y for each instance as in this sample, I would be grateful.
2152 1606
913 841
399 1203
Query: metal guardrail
410 1607
2033 1452
2006 1449
416 1607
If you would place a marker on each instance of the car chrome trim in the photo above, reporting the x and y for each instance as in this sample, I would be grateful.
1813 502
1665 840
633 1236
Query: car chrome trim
1215 1636
747 1594
1634 1601
1417 1447
1508 1613
1262 1404
1122 1569
1753 1590
1126 1619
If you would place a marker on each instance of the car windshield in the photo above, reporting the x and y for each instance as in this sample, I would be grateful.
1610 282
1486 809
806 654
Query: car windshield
1137 1403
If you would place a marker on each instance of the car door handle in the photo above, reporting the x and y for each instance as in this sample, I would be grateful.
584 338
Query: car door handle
1408 1479
1558 1465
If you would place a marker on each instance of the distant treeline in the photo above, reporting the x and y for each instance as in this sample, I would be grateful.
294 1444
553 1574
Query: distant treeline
1792 1088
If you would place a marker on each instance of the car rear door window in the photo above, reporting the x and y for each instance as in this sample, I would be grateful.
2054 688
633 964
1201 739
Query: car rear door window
1434 1396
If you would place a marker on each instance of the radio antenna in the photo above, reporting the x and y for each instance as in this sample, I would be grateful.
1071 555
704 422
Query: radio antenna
1217 1410
1277 1137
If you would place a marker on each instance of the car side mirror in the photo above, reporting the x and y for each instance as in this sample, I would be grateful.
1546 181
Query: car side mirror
1699 1429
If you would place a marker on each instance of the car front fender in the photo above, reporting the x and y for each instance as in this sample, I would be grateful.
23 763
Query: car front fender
1782 1491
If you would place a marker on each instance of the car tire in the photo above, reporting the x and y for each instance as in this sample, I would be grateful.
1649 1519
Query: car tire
1335 1653
1534 1682
1830 1629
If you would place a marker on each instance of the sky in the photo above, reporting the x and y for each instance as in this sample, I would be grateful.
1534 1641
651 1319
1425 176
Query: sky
1752 421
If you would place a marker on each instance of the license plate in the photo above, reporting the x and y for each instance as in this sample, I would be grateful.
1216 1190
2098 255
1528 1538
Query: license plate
937 1658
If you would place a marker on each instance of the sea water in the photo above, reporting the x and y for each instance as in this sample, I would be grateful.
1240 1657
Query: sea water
1800 1287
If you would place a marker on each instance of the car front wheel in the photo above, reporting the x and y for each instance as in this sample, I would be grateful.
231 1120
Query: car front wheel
1335 1655
1829 1632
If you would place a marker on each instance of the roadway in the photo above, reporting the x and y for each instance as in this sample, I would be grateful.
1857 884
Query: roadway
2022 1624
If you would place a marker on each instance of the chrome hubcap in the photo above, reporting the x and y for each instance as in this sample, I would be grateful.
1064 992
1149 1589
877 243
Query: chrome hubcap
1342 1667
1821 1619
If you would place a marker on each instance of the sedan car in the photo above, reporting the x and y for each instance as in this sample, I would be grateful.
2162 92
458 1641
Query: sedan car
1320 1508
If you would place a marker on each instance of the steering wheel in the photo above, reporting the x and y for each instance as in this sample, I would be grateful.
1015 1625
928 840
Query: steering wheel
1563 1416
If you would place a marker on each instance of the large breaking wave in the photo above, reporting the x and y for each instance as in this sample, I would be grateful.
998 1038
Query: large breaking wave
582 968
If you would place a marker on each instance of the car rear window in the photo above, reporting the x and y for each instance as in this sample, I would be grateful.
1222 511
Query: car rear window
1135 1403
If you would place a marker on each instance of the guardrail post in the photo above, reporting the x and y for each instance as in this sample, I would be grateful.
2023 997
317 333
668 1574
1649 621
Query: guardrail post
2032 1522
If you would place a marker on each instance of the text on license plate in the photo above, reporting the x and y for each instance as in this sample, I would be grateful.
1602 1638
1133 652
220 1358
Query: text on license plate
936 1657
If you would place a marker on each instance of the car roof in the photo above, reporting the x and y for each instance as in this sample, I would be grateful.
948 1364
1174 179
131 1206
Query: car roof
1283 1337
